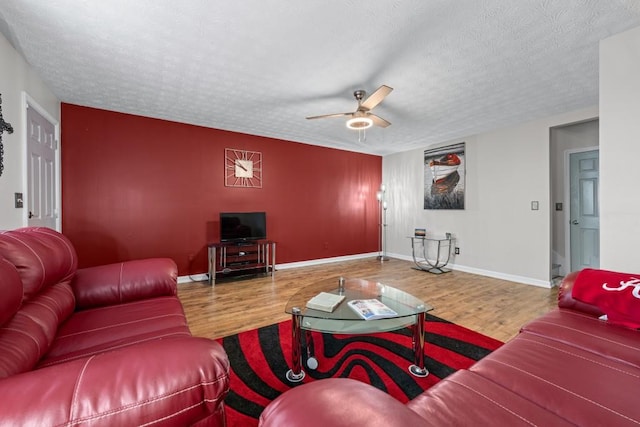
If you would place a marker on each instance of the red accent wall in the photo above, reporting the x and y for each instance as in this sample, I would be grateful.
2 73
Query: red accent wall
136 187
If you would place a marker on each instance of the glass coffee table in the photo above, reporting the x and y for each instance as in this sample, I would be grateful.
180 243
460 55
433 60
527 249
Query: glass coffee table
410 311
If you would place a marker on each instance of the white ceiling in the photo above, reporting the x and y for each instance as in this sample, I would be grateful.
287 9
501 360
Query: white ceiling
261 66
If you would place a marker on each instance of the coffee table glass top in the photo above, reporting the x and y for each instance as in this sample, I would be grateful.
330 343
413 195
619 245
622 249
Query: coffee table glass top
343 319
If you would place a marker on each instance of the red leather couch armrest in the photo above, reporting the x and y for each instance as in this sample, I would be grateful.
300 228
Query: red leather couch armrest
566 300
338 402
178 381
124 282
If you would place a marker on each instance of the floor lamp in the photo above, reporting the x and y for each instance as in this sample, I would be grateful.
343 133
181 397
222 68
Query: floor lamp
382 210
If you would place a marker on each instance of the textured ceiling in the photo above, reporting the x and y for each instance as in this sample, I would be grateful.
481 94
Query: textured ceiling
261 66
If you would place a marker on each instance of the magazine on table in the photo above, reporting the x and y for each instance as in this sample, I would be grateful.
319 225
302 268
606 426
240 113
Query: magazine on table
371 309
325 301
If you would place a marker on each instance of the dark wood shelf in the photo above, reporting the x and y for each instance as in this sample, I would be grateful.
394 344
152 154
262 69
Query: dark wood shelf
236 259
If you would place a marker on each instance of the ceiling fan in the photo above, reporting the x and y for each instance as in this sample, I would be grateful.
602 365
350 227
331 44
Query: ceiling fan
362 118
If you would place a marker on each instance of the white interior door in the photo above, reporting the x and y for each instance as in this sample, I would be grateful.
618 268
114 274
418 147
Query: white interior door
42 169
584 219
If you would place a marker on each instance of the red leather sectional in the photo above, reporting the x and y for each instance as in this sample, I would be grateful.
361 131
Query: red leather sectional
106 345
564 368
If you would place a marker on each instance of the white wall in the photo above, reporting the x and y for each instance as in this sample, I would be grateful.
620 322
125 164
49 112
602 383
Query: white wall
620 151
497 232
16 77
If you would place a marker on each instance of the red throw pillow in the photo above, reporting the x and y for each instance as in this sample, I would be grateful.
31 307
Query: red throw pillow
616 294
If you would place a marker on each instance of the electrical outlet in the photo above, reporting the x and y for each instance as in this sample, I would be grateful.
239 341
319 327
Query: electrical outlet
457 252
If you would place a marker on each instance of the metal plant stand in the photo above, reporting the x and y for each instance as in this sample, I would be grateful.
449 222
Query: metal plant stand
442 255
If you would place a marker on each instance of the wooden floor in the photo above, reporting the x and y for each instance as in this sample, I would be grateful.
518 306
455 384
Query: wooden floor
494 307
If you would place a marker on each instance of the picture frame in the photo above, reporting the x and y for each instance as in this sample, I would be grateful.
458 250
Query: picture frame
444 177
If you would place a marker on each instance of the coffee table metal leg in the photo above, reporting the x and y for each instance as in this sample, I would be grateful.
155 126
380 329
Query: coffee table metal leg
296 374
418 368
312 362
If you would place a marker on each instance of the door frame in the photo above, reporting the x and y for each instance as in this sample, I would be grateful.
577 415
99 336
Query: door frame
29 102
567 197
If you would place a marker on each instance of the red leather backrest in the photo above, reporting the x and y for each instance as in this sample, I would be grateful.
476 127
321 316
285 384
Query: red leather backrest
27 336
42 256
36 268
10 291
566 300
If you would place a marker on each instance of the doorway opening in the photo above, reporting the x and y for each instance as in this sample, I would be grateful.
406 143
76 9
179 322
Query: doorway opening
574 161
42 166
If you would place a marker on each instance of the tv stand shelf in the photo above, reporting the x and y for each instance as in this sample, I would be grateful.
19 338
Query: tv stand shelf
230 259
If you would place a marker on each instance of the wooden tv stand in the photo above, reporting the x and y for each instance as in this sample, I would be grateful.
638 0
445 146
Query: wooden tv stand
241 258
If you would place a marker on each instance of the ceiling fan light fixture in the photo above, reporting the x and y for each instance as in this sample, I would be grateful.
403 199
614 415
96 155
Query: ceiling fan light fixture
359 123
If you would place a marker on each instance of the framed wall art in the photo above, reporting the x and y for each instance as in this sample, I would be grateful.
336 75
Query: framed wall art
4 126
444 177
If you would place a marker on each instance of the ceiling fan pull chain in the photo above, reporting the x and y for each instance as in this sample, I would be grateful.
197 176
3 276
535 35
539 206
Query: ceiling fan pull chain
362 135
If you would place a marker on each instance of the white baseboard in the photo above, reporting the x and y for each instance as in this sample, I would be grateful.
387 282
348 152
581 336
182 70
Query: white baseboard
193 278
472 270
324 261
488 273
503 276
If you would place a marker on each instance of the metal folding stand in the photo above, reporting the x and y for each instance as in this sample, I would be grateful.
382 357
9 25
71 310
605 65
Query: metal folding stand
425 264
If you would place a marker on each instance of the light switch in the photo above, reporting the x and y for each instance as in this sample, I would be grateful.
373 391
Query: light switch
534 205
19 202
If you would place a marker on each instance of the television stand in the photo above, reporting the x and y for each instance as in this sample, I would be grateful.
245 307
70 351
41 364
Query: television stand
241 258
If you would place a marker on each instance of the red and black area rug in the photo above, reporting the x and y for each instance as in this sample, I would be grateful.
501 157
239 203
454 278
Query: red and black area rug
261 357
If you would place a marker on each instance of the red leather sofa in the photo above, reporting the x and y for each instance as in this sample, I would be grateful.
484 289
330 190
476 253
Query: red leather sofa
564 368
106 345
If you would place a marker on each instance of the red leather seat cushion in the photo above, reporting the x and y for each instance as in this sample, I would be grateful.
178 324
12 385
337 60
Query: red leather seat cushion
172 382
590 334
97 330
577 385
468 399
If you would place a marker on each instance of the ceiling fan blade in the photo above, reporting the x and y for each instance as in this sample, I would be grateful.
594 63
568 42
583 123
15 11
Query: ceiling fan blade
379 121
376 97
324 116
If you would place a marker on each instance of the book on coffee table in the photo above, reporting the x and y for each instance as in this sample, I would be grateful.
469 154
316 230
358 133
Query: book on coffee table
325 301
371 309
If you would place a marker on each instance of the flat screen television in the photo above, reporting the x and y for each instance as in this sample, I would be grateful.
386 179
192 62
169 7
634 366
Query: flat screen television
241 226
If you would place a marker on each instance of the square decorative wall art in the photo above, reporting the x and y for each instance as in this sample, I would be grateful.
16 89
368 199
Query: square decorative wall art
444 177
242 168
